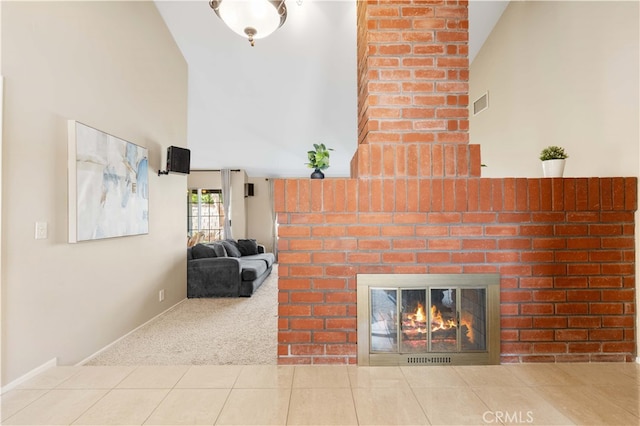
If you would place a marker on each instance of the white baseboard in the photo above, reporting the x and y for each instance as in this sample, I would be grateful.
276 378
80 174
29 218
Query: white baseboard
84 361
638 360
20 380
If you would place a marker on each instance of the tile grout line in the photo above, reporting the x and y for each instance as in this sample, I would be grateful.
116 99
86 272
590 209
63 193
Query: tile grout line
293 379
99 399
165 397
226 400
615 401
353 397
471 388
58 388
46 391
413 392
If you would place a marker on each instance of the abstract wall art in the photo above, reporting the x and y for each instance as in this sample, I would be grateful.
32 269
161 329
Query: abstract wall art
108 185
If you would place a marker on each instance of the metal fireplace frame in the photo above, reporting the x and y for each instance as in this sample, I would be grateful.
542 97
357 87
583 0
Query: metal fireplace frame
425 281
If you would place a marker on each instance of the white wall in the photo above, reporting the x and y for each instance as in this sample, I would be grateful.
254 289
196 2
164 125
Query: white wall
260 221
113 66
238 205
205 179
559 73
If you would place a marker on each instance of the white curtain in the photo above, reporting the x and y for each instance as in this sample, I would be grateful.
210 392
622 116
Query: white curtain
274 224
225 175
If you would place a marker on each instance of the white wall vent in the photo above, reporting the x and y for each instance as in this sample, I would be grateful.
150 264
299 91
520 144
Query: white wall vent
481 103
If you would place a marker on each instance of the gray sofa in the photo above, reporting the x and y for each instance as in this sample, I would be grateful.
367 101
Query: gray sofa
227 268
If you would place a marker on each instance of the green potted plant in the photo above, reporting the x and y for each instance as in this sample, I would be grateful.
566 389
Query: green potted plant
318 160
553 159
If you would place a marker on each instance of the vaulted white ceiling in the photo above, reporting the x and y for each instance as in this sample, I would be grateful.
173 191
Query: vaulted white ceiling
261 108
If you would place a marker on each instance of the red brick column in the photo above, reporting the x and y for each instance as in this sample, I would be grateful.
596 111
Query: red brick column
413 74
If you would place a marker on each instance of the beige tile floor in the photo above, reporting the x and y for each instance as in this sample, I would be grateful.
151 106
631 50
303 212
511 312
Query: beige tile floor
542 394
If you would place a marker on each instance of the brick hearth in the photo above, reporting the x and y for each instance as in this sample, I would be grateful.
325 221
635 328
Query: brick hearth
416 203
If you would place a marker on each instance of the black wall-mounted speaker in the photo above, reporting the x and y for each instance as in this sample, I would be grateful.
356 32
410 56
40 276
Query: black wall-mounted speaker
178 160
248 190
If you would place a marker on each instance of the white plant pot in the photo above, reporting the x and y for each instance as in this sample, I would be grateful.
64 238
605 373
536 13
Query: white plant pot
553 168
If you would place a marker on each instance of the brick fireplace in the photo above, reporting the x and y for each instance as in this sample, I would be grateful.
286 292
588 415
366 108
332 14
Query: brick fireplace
416 204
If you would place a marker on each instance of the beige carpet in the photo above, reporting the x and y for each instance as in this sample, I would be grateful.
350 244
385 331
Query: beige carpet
205 332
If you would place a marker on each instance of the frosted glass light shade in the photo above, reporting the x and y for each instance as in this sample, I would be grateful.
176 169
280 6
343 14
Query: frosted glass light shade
253 18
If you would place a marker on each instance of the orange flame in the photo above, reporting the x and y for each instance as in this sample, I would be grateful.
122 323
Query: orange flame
468 321
438 323
420 313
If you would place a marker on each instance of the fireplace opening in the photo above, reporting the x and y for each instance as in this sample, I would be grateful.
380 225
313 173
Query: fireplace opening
442 318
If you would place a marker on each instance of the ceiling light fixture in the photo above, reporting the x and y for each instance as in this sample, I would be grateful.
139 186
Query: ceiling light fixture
252 18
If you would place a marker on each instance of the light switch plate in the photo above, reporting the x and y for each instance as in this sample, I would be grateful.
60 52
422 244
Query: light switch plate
41 230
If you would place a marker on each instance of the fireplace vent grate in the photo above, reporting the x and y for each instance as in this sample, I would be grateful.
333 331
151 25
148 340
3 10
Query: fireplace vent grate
429 360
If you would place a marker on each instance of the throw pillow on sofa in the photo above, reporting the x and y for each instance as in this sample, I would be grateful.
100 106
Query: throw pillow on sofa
231 246
201 251
219 248
204 250
248 247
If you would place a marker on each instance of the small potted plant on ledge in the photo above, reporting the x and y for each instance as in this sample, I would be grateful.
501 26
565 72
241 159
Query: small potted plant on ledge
318 160
553 159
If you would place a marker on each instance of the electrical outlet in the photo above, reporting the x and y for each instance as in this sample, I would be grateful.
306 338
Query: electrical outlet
161 295
41 231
